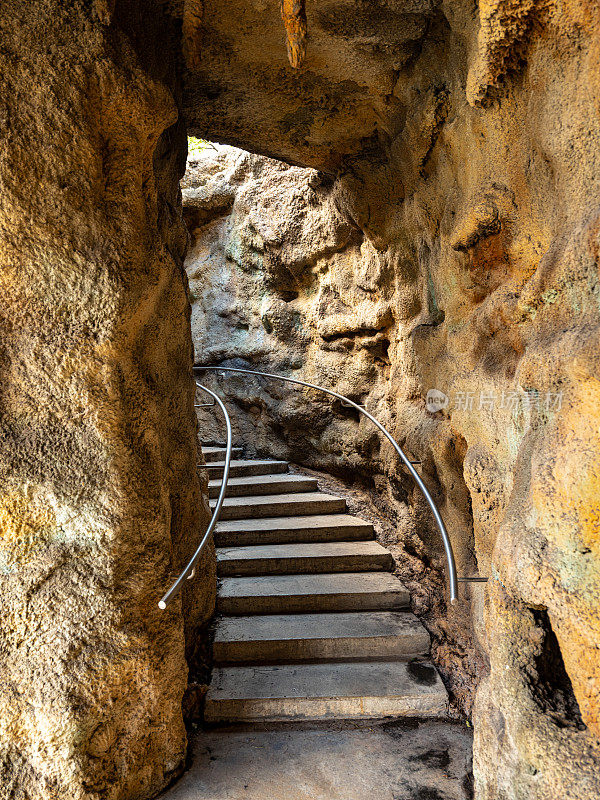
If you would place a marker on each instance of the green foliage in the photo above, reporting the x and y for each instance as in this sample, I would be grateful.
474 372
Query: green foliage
198 145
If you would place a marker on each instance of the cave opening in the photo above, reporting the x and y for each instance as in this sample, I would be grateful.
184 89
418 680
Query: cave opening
283 282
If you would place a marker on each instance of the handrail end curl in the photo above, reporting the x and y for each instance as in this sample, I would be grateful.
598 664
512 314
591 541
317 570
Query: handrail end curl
189 569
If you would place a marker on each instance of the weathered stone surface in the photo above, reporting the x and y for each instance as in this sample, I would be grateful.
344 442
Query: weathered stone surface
244 90
465 197
99 499
404 760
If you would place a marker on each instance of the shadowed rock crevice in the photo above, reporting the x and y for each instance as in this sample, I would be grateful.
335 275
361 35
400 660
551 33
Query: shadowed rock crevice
552 686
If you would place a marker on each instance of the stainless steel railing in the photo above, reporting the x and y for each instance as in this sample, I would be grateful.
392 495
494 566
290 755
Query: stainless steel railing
188 572
452 577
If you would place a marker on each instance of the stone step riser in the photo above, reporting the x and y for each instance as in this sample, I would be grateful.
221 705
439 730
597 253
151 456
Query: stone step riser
352 648
297 530
305 565
341 534
309 604
333 708
295 559
319 637
244 469
299 594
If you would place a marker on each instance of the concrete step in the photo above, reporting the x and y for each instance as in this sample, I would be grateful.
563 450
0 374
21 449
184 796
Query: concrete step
312 557
360 635
241 467
299 594
213 453
263 485
279 530
355 690
281 505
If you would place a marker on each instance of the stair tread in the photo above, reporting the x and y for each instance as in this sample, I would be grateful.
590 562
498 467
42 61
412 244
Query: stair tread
319 637
282 484
248 462
311 522
265 499
353 624
276 505
346 582
316 584
211 449
303 557
213 453
258 480
349 679
306 550
280 530
324 691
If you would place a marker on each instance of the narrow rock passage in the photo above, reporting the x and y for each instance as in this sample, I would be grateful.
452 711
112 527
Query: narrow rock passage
322 686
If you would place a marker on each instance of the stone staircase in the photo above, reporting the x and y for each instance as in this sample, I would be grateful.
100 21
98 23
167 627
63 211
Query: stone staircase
312 624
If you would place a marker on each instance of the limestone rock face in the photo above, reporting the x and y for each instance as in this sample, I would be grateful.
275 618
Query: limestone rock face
99 498
450 242
242 89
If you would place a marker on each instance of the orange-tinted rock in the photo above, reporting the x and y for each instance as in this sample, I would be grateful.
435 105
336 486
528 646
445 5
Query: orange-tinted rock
99 498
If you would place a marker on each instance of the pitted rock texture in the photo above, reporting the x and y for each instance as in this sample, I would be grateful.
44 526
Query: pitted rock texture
459 200
241 88
459 251
100 501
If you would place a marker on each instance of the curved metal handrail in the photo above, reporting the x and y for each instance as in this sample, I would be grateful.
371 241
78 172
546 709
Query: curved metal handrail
188 572
452 576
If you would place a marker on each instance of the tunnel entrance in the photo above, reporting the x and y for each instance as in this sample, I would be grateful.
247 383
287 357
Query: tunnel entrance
312 630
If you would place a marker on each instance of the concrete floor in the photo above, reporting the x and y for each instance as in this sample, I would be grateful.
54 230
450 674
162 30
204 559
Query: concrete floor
409 760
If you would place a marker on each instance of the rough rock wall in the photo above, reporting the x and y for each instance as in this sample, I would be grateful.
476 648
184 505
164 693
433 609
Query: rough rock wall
99 499
461 214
